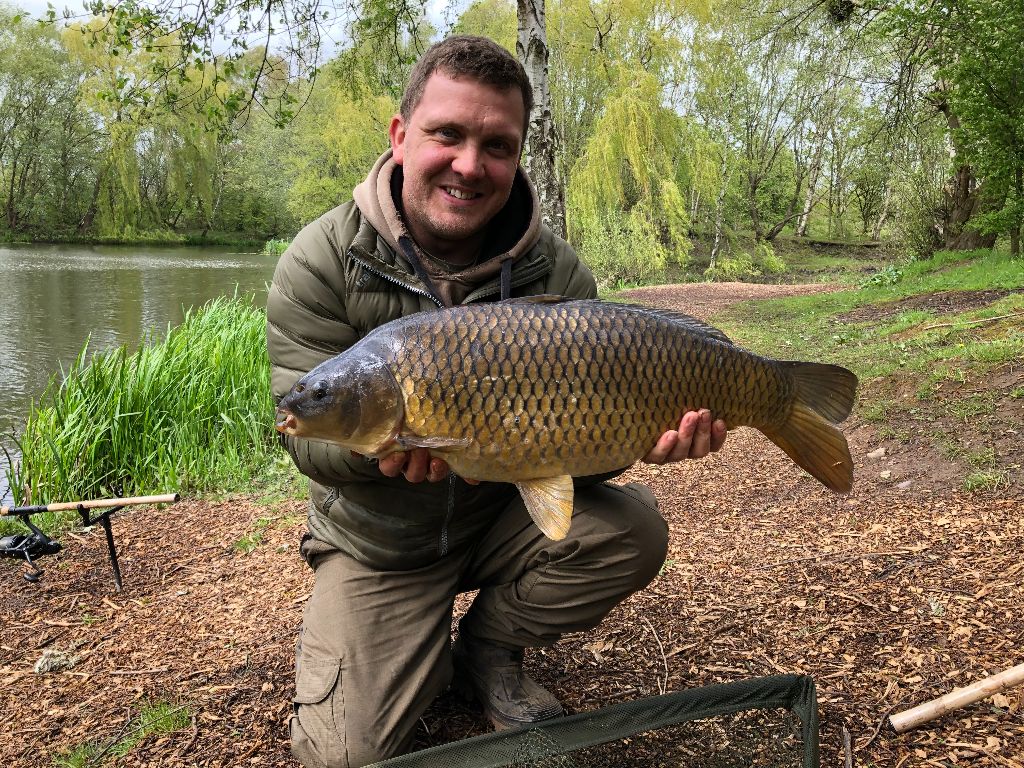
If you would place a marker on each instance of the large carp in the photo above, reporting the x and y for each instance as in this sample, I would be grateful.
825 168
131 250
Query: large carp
536 391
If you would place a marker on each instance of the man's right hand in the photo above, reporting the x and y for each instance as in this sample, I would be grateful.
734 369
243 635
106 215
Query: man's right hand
417 466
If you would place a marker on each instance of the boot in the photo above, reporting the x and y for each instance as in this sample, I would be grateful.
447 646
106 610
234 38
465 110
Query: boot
494 676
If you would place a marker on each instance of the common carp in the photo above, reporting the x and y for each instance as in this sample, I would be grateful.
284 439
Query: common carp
536 391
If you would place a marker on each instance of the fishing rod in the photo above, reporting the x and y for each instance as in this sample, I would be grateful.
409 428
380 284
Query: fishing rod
31 546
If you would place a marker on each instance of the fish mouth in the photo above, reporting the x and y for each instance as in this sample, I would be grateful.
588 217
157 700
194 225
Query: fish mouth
286 422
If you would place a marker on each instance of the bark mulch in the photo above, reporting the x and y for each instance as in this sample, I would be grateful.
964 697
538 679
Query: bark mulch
888 597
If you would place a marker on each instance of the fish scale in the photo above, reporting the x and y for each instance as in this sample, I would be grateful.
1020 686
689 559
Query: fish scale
537 391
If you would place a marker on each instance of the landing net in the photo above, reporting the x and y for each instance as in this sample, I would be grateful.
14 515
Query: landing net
768 722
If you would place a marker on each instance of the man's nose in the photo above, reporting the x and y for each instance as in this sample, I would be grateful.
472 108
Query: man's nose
468 162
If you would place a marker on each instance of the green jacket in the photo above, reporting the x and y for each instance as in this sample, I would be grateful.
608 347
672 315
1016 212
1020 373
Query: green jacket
342 277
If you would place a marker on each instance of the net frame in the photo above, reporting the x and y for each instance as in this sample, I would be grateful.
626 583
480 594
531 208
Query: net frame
551 738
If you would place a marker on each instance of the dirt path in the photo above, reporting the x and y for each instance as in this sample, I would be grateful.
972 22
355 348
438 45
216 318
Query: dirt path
887 597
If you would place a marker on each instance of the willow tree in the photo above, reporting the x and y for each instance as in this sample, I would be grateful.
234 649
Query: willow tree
627 213
332 144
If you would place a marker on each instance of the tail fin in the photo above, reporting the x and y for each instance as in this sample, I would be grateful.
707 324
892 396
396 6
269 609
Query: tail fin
824 396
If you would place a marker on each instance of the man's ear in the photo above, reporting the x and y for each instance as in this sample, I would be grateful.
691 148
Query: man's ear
396 132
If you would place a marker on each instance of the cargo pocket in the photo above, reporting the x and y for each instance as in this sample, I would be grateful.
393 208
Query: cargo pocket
317 724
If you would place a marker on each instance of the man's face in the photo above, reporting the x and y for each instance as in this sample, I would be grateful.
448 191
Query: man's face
459 152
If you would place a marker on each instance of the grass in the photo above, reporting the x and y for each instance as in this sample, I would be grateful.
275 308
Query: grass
251 540
187 412
933 357
806 327
153 718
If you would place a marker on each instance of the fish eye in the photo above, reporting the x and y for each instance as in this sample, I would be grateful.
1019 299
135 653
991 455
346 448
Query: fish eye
320 390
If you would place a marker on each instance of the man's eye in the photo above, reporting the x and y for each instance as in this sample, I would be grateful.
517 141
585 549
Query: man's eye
447 133
501 147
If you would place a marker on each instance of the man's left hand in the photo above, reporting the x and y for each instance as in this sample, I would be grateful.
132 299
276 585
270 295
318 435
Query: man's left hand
696 437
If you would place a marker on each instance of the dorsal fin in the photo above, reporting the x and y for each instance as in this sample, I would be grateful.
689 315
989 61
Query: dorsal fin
690 322
543 298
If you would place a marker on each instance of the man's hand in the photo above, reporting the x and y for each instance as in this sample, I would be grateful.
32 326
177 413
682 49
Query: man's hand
417 465
696 437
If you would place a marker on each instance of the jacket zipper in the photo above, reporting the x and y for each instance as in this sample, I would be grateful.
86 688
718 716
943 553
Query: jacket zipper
442 546
395 280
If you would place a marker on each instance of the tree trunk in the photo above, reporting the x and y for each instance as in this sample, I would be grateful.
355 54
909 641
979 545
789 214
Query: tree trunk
86 222
541 143
964 198
809 201
1015 225
716 247
883 213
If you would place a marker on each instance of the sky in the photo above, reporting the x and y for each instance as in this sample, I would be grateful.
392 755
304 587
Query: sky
439 12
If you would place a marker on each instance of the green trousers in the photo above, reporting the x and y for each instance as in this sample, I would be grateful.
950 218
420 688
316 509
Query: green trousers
374 650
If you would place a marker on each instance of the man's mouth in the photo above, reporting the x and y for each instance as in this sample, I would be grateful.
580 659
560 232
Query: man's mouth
461 194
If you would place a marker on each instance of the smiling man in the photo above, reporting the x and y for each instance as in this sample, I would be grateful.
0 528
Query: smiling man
446 217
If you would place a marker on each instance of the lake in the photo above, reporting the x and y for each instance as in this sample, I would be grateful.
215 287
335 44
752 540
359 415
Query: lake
54 297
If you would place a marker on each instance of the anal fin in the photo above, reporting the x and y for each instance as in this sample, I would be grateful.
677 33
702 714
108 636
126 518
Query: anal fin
549 502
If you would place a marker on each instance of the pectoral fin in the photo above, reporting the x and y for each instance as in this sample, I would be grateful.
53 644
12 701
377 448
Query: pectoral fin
419 441
549 502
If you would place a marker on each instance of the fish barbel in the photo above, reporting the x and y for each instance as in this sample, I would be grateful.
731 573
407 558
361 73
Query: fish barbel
540 390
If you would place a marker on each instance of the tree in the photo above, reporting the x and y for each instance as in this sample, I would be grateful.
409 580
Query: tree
983 85
541 143
44 140
628 214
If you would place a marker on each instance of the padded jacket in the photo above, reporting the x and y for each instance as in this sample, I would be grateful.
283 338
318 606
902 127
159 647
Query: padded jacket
343 276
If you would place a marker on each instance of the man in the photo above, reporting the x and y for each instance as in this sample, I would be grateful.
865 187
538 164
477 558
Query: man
446 217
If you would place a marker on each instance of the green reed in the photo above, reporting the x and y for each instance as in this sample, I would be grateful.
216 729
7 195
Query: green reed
188 411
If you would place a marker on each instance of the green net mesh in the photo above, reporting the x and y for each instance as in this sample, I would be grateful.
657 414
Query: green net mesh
767 721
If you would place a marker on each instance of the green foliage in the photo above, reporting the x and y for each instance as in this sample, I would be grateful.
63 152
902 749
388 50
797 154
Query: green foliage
626 210
495 19
332 145
276 247
888 275
153 719
744 264
190 411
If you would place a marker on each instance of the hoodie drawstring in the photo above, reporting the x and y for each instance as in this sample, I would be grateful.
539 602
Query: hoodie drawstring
506 279
410 254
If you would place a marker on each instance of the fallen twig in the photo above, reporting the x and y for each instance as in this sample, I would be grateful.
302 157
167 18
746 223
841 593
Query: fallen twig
973 322
957 699
661 648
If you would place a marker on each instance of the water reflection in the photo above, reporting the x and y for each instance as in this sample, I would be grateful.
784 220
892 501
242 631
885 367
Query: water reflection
54 297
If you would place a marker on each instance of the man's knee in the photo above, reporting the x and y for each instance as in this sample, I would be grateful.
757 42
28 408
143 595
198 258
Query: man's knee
647 531
320 730
639 534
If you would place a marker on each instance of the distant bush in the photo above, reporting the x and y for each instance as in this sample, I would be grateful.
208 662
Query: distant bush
743 265
276 247
889 275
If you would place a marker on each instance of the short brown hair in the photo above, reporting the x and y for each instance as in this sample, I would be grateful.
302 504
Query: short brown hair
473 57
